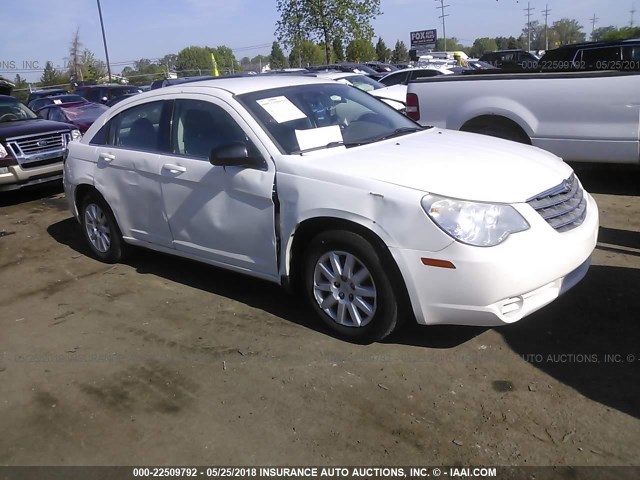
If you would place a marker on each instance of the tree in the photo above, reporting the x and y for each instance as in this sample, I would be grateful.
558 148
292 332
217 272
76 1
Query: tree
52 77
92 67
194 61
144 72
508 43
306 53
482 46
20 89
325 20
537 36
278 60
612 33
169 61
400 53
360 50
568 31
225 59
74 60
452 45
338 49
382 52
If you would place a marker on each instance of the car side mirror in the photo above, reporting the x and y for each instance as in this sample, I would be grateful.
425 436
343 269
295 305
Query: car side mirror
232 155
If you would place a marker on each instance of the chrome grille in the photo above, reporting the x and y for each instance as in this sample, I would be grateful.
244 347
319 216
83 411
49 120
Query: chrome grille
564 206
38 148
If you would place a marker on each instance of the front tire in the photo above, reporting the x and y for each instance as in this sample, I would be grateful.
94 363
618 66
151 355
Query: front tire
347 286
101 229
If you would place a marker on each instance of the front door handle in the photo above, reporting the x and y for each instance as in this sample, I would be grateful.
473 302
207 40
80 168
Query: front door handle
107 157
174 168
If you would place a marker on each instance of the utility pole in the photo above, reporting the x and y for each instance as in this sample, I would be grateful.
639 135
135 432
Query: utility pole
529 9
633 11
104 39
444 30
546 12
594 19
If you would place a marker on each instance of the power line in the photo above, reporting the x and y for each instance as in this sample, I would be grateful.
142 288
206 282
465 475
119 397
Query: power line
546 12
444 30
529 9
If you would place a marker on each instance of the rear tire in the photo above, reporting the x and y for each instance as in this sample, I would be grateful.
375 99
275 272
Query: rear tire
101 229
347 286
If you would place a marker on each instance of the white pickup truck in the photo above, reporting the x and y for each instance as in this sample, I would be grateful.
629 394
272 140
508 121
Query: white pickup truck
579 116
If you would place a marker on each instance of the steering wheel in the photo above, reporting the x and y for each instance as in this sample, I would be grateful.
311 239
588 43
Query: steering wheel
8 116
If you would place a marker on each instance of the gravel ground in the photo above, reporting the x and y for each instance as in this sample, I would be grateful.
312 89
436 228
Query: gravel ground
165 361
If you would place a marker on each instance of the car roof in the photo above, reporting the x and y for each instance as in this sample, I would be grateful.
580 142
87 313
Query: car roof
606 43
9 97
240 85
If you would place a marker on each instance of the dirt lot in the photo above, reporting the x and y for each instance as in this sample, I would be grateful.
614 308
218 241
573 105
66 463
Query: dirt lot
165 361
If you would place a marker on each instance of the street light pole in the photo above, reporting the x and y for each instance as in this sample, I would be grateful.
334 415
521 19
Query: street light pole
444 31
104 39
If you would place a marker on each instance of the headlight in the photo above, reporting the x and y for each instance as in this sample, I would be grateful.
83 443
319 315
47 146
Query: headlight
75 135
473 223
3 152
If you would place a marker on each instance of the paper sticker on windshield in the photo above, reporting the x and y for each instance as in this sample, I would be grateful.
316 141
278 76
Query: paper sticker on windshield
281 109
318 137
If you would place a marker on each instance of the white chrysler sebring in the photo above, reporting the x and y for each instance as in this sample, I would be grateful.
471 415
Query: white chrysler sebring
314 184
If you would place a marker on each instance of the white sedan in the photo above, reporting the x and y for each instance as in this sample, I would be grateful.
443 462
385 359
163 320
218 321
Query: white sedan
317 185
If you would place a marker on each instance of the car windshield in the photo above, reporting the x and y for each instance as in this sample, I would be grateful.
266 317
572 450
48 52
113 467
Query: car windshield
362 82
302 118
85 113
12 110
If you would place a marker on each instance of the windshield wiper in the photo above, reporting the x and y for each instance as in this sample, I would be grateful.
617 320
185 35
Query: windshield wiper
396 133
321 147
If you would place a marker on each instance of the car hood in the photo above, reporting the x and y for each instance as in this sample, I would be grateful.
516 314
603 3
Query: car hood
31 127
394 92
450 163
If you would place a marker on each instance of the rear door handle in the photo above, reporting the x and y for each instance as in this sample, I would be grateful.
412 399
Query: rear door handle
107 157
174 168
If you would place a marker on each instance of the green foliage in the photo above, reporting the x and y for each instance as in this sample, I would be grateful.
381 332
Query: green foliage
92 67
612 33
360 50
568 31
51 76
338 50
225 59
325 20
452 45
507 43
278 60
144 72
169 61
21 89
400 53
482 46
305 54
194 61
382 52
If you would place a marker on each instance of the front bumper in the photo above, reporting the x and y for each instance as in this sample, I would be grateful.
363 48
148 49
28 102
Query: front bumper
502 284
18 177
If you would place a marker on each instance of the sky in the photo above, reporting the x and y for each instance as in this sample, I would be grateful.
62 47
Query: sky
34 32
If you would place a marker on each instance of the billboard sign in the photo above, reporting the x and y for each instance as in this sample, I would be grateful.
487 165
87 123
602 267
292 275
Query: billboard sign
424 39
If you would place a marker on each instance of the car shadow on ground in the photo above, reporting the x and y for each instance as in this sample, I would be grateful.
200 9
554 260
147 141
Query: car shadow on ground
619 241
256 293
589 339
29 194
609 179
